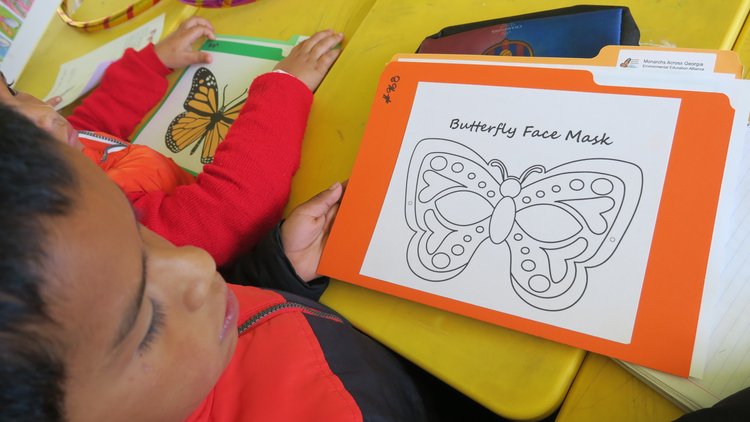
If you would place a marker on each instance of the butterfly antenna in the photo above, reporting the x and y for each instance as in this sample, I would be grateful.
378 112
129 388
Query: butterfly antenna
499 164
533 169
232 103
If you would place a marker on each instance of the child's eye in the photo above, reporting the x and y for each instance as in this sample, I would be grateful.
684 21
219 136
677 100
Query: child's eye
157 323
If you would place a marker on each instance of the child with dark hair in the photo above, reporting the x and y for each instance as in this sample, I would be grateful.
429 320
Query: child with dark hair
238 197
103 319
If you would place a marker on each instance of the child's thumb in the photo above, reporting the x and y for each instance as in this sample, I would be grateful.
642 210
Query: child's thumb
201 57
319 205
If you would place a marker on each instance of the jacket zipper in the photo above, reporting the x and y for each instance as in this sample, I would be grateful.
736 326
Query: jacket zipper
114 143
275 309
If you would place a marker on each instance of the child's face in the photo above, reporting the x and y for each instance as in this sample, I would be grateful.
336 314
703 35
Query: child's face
147 327
39 112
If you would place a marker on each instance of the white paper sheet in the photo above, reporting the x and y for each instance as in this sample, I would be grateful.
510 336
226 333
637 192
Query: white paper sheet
80 75
617 221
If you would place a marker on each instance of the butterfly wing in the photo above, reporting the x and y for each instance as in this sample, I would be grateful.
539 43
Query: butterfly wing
569 219
195 123
450 196
186 129
213 137
218 131
203 98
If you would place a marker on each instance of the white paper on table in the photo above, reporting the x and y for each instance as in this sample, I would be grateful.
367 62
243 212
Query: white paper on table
80 75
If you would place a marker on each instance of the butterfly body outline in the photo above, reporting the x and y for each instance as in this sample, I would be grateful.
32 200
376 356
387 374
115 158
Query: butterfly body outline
456 201
205 121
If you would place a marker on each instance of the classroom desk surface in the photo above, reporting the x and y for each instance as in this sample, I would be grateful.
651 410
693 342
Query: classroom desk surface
515 375
260 19
742 46
604 390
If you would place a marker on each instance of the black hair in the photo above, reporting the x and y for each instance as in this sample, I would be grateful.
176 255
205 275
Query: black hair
36 185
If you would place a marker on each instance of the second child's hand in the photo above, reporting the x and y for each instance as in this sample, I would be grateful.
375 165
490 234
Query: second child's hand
311 59
176 50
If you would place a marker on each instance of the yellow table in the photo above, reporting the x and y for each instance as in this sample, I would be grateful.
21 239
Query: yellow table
604 390
281 19
516 376
274 19
742 46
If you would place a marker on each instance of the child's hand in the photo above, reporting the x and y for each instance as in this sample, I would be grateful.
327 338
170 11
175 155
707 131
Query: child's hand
304 233
176 50
310 60
53 101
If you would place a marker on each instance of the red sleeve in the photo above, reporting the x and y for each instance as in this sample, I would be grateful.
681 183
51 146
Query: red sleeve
130 88
241 195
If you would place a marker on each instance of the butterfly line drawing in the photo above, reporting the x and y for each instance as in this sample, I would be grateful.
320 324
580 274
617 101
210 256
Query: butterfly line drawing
204 120
555 223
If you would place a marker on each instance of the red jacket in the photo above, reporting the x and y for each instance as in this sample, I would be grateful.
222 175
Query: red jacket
299 361
238 197
135 168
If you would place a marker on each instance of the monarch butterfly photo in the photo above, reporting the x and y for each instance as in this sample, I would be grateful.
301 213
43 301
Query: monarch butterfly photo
204 120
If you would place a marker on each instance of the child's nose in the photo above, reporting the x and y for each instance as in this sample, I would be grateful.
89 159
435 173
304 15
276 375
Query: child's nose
196 270
43 116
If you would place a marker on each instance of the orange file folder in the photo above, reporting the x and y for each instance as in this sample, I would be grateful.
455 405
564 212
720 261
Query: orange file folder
669 298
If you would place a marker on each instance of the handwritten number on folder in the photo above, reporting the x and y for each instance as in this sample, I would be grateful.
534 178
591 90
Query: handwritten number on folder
391 88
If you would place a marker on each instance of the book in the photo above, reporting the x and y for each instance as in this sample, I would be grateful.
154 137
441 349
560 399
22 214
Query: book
22 23
196 114
551 200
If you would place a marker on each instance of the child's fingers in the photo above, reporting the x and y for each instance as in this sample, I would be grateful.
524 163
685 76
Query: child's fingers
326 44
326 60
187 58
321 203
54 101
330 216
198 31
308 44
199 57
204 57
197 20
